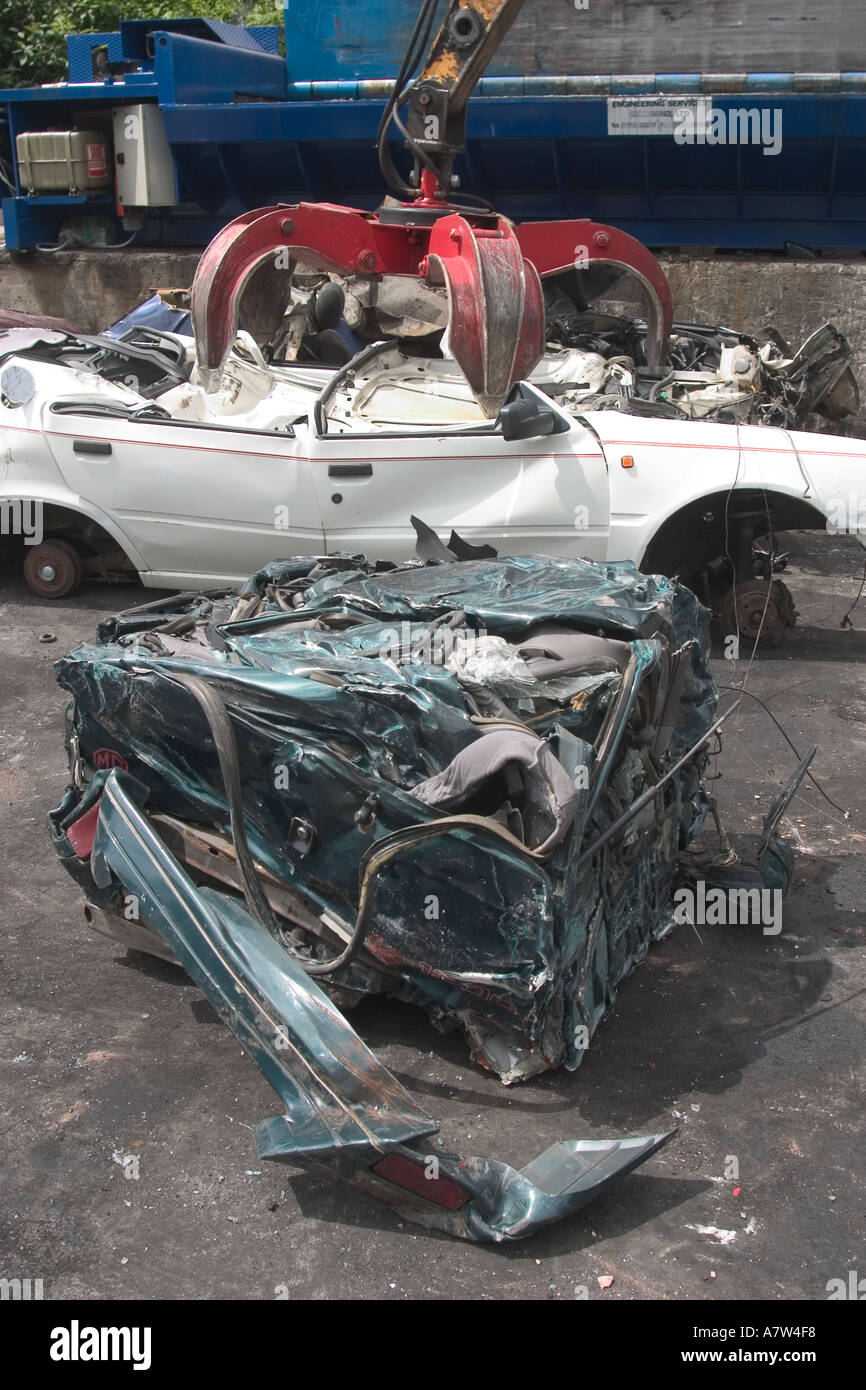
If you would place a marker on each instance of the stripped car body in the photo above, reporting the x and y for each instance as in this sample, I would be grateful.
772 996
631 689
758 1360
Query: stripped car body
468 784
593 359
135 468
183 467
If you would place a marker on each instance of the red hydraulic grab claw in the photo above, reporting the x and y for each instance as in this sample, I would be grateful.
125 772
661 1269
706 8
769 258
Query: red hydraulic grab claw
556 246
490 268
323 236
495 305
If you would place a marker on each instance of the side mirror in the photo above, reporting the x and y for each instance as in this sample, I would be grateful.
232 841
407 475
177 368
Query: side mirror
522 419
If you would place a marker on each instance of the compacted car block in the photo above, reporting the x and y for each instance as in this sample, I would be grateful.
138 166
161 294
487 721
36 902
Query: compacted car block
469 784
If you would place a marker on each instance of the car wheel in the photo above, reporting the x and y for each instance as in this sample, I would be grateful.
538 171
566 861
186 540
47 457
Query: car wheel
53 569
758 609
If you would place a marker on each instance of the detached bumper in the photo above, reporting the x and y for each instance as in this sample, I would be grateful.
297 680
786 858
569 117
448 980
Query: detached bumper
344 1113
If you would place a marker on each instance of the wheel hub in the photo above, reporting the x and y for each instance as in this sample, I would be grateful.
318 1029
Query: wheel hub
53 568
759 610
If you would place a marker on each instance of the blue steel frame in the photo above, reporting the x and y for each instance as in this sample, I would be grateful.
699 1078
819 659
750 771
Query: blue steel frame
243 135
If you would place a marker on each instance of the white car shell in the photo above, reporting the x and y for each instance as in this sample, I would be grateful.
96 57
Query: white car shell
226 484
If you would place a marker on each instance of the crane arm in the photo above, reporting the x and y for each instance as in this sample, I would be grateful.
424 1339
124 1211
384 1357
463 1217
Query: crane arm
470 33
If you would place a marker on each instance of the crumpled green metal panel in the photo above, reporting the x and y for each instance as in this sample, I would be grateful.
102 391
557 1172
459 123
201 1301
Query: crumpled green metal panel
335 679
347 722
345 1114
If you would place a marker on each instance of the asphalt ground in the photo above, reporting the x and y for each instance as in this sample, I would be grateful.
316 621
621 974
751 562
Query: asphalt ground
753 1045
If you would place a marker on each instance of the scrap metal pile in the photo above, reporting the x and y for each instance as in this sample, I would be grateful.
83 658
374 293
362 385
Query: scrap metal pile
592 359
710 373
465 783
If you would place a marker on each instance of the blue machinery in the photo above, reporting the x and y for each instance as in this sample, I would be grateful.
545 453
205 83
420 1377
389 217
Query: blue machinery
246 127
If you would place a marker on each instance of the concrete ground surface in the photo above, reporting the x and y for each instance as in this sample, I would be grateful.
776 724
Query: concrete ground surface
755 1046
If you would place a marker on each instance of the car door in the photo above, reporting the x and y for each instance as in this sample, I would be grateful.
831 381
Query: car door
546 495
197 500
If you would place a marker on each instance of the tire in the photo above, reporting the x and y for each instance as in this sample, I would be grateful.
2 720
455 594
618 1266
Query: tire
53 569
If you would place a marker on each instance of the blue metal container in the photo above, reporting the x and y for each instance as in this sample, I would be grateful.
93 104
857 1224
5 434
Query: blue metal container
247 128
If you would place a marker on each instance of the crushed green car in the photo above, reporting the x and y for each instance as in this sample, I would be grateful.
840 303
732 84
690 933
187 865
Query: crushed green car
467 783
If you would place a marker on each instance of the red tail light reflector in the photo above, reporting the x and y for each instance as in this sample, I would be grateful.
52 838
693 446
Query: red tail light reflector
422 1176
82 832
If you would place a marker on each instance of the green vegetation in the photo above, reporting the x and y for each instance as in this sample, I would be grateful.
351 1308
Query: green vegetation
33 33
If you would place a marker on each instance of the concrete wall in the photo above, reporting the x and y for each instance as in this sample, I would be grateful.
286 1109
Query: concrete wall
93 288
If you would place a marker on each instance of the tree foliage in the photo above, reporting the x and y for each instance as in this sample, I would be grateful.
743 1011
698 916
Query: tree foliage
33 32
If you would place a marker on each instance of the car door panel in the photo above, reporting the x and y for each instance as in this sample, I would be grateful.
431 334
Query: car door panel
193 499
545 495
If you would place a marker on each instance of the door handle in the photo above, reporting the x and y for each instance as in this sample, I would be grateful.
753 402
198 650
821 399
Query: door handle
91 446
350 470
